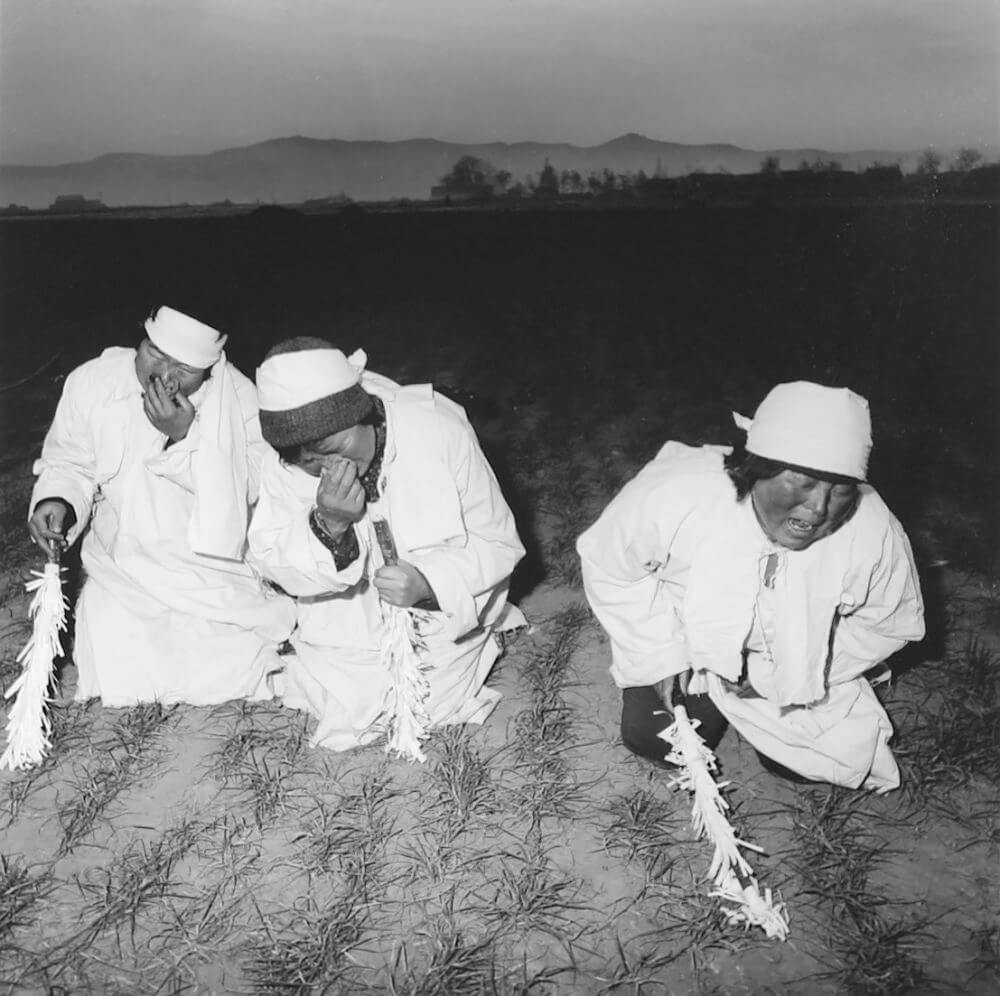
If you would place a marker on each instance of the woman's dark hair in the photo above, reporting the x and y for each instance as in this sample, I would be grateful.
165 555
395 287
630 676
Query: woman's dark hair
745 469
292 454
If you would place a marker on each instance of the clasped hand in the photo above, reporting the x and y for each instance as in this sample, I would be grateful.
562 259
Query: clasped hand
665 687
340 497
171 413
49 521
402 585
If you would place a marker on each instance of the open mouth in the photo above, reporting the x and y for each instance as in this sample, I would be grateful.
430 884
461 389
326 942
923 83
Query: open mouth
801 528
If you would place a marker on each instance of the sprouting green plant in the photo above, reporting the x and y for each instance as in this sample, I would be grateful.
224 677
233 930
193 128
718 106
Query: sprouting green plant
460 780
307 953
876 954
71 726
529 894
690 922
132 880
455 966
633 973
645 827
20 890
987 960
128 751
836 853
835 850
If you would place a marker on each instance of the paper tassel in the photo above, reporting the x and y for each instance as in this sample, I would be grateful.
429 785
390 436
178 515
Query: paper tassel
731 873
405 713
408 687
28 722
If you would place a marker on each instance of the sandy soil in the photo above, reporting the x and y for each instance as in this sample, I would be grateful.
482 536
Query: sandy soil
212 851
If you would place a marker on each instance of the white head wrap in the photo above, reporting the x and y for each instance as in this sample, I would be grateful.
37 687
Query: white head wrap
185 338
291 380
808 425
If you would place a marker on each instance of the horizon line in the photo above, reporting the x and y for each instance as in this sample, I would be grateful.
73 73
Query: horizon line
466 144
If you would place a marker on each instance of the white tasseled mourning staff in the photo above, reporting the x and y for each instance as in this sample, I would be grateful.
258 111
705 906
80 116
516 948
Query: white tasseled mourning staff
408 688
406 714
733 877
28 722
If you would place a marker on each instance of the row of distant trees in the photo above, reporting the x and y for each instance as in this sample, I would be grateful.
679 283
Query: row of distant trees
930 163
471 175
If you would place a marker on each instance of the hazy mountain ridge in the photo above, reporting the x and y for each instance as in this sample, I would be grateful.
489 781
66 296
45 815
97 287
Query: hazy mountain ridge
296 168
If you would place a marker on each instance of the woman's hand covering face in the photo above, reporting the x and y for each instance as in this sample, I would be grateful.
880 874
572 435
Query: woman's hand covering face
340 498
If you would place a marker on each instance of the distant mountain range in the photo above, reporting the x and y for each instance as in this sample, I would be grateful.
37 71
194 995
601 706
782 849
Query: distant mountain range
290 170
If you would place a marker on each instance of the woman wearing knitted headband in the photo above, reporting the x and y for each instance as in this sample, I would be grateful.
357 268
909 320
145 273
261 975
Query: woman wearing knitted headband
379 510
766 582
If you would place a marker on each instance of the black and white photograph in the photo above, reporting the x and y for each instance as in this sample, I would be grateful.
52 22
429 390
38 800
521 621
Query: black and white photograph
499 498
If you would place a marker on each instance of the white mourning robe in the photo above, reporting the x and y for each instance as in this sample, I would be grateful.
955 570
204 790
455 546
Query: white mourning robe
449 519
156 621
674 570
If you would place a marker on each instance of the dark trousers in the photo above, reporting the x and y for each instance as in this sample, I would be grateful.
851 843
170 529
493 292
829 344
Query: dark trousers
644 716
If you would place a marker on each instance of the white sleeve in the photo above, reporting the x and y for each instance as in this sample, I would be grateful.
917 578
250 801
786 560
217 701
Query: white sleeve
283 547
466 574
176 462
67 466
626 567
890 616
257 450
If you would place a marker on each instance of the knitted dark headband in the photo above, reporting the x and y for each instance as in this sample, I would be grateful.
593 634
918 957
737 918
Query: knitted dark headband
316 419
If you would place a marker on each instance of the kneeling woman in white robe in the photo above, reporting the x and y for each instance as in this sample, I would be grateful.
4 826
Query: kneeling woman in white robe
767 583
378 499
152 457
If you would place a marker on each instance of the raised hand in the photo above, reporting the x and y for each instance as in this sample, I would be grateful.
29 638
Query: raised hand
169 410
340 498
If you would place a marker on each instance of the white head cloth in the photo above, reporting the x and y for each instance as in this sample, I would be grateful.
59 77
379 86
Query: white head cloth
806 424
185 338
291 380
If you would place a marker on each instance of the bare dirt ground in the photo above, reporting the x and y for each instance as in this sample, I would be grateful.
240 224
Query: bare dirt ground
212 851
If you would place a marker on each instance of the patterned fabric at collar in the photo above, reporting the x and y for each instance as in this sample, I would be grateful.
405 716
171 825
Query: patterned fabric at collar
370 479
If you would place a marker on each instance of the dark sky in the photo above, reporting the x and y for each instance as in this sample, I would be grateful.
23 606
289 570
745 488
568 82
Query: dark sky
83 77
